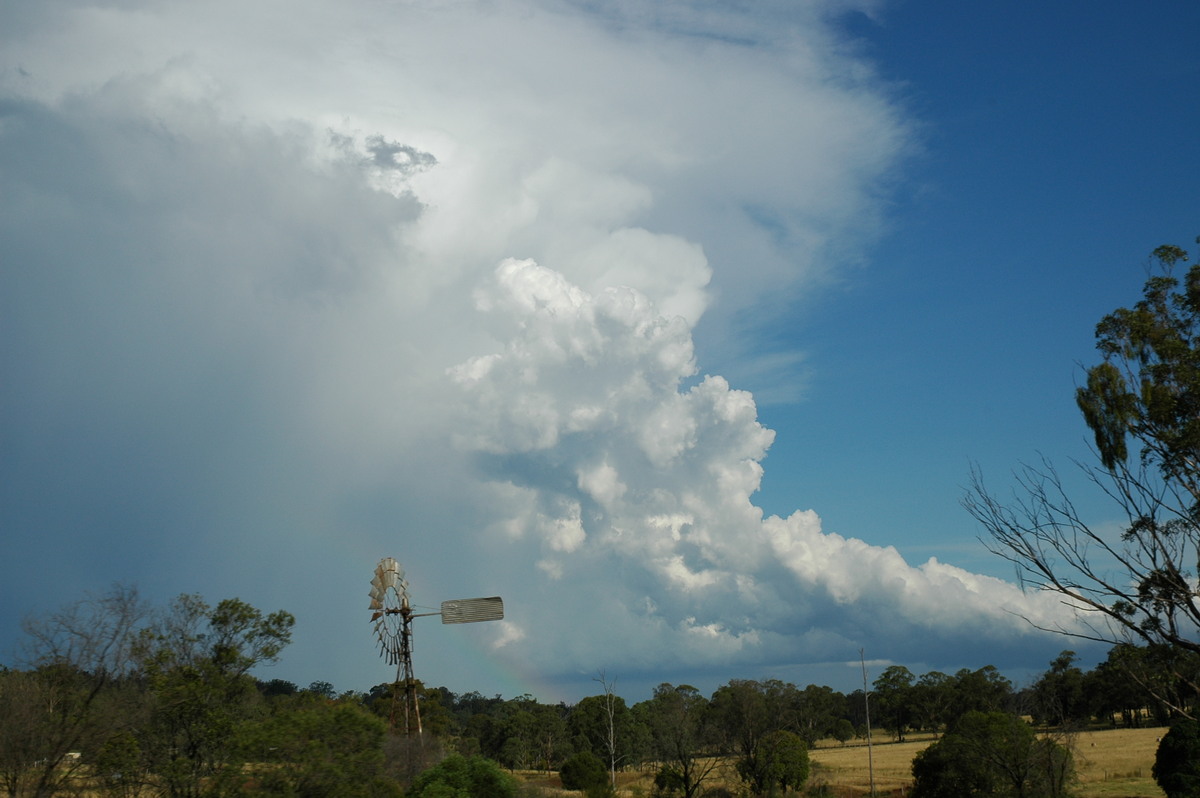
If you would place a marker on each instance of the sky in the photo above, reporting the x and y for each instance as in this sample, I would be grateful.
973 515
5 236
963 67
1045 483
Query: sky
679 326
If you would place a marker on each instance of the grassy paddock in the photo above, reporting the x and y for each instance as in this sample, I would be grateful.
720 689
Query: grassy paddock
1116 763
1112 764
846 769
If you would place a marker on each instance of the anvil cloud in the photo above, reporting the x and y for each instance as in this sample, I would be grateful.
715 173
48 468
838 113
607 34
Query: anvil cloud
286 289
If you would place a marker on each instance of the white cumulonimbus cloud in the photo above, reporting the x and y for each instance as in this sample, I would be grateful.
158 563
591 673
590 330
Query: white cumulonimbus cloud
618 458
286 289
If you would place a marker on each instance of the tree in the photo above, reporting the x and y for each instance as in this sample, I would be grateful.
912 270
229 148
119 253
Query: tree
741 715
894 690
79 658
196 660
992 754
982 690
678 722
779 762
322 689
1142 404
118 766
1060 696
520 744
550 731
604 725
318 750
1177 762
933 697
817 710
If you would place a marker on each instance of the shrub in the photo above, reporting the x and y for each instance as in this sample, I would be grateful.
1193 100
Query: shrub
992 754
1177 763
464 777
584 771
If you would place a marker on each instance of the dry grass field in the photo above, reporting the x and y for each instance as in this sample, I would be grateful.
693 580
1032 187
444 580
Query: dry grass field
1112 764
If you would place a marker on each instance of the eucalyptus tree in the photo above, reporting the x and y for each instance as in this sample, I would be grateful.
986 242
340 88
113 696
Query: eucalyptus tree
196 660
74 694
778 764
894 694
604 725
984 689
741 715
818 708
1142 405
1060 696
679 721
932 700
993 754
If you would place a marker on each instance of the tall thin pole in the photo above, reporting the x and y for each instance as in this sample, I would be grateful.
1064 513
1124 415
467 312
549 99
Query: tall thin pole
867 708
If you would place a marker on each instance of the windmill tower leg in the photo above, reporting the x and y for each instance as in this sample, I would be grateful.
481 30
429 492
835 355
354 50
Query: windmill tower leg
412 709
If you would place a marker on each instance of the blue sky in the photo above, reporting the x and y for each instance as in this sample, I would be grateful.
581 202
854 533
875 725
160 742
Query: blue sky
1057 154
678 328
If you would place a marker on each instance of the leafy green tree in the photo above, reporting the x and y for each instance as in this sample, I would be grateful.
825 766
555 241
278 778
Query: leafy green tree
435 712
678 719
817 710
604 725
1177 761
386 699
856 710
1115 693
779 762
1060 696
842 731
1161 677
118 766
981 690
277 687
464 777
72 697
932 700
741 714
322 690
520 741
551 738
1142 403
992 754
894 694
196 660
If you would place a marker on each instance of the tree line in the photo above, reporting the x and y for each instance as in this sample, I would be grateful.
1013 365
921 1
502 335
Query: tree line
131 700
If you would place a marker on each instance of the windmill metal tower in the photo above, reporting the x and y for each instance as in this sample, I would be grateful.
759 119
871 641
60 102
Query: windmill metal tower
391 617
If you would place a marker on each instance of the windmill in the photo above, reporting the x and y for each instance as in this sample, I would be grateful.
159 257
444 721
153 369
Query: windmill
391 618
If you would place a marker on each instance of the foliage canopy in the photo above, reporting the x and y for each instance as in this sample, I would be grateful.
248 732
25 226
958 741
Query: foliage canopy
1177 762
1142 404
464 777
992 754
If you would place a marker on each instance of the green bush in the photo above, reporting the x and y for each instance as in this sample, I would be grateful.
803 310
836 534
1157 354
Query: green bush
668 782
584 771
1177 763
464 777
992 754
